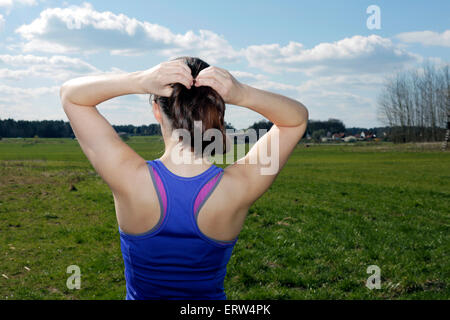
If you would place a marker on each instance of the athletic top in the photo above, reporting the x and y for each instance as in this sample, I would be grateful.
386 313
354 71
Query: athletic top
175 260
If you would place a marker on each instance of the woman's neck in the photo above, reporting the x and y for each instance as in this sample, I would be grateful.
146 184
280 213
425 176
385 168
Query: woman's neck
182 161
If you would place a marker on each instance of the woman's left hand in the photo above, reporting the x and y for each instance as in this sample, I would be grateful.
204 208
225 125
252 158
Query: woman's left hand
231 90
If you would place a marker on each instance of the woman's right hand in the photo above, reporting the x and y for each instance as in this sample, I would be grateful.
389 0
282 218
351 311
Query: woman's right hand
159 79
231 90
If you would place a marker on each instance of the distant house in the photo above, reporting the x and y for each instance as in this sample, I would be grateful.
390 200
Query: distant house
324 139
371 136
350 139
362 135
338 136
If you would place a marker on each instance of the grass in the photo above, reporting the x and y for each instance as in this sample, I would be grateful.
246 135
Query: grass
333 211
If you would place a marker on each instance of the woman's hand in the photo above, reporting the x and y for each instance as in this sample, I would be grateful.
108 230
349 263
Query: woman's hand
159 79
231 90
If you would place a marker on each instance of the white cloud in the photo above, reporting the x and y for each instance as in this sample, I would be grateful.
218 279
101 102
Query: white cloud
353 108
58 61
357 54
20 67
247 75
43 103
27 92
2 22
336 79
341 83
29 103
8 4
274 86
426 38
351 98
83 29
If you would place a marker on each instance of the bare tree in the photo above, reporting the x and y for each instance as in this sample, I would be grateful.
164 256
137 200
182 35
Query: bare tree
415 104
445 105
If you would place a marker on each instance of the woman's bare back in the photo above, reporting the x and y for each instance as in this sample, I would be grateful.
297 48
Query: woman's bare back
221 217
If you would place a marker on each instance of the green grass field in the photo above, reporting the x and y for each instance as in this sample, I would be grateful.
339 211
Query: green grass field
333 211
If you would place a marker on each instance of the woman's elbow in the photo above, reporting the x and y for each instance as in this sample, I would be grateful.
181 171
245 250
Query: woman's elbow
304 115
63 92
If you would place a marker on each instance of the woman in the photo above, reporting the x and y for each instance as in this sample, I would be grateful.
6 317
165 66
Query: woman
179 220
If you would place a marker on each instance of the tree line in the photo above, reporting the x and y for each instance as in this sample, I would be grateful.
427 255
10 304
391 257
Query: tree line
10 128
331 125
415 104
320 128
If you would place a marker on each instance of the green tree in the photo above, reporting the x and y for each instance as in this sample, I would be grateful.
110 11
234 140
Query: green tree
316 135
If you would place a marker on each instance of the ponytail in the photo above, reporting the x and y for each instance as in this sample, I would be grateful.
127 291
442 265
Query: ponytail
185 106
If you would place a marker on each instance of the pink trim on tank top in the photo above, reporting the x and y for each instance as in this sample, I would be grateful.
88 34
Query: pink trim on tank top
161 190
204 192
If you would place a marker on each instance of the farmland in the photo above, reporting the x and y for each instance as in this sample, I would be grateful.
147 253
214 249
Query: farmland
333 211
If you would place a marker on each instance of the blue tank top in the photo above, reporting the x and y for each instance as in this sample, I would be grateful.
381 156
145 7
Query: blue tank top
175 260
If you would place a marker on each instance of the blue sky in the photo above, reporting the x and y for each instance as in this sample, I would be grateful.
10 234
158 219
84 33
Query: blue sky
319 52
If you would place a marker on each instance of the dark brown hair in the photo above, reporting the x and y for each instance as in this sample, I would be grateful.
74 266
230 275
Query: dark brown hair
185 106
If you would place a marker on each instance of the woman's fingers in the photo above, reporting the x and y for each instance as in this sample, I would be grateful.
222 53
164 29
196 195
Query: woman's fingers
213 73
180 78
183 65
176 64
223 73
214 78
209 72
176 71
211 82
178 74
222 81
181 70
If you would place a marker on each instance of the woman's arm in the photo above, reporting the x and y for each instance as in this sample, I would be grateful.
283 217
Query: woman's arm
93 90
90 91
290 117
113 159
280 110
